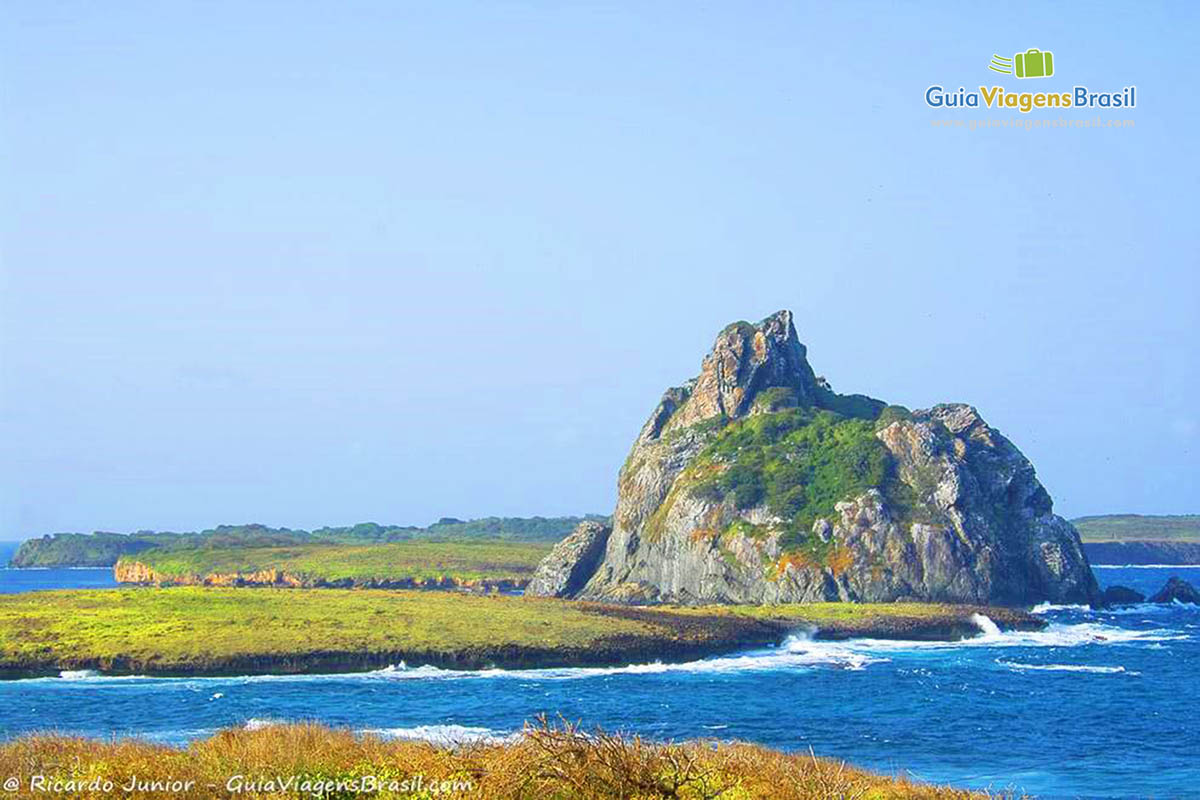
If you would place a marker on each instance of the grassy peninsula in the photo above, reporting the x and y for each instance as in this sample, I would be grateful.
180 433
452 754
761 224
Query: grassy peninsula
204 630
424 563
1139 528
1138 539
546 762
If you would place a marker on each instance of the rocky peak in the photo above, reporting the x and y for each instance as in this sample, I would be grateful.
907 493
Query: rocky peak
744 361
756 483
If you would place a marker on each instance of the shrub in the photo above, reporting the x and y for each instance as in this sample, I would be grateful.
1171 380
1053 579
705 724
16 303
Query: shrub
800 463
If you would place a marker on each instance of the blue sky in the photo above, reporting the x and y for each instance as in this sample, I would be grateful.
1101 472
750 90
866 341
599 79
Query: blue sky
321 263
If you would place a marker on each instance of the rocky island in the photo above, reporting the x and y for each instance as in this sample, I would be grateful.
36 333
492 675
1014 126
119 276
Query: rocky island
757 483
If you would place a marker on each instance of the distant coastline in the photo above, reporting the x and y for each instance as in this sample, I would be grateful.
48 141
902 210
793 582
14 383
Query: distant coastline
1140 539
105 549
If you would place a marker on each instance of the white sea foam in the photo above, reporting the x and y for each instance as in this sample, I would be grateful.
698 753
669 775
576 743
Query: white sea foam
1045 608
1146 608
1145 566
257 724
1054 635
799 651
986 626
90 676
444 734
1066 668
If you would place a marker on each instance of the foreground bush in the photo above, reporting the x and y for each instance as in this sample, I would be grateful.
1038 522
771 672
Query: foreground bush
548 762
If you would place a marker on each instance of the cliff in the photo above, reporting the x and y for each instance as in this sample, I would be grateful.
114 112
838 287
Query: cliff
756 483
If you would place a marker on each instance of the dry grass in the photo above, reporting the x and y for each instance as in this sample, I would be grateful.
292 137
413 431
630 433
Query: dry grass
551 761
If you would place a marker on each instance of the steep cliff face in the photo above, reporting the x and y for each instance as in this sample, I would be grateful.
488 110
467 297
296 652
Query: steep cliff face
755 482
565 570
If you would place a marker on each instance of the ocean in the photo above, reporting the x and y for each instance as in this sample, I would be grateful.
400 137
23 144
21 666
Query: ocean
1101 704
13 581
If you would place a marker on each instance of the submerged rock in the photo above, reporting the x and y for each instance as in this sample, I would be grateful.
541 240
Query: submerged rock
1121 596
1177 590
757 483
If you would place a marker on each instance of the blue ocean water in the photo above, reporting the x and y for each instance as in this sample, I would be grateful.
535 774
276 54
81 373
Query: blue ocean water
31 580
1101 704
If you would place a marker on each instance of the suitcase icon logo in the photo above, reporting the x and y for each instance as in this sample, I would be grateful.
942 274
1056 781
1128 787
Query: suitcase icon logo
1033 63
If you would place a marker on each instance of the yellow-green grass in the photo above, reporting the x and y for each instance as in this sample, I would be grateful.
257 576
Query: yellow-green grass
193 630
548 762
418 561
205 630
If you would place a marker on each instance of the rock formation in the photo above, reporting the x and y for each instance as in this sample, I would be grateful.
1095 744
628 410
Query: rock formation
757 483
1177 590
565 570
1121 596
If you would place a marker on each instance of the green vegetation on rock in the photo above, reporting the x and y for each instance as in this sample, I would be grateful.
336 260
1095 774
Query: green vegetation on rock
799 463
99 549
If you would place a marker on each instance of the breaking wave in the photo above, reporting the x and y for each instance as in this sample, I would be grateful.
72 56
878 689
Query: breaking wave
88 676
985 625
444 734
798 651
1145 566
1066 668
257 724
1054 635
1046 608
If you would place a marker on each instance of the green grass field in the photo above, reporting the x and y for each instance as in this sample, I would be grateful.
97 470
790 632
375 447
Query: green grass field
1138 528
205 629
463 561
195 630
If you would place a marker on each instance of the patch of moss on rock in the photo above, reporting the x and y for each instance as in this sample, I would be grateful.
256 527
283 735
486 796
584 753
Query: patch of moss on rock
798 463
777 398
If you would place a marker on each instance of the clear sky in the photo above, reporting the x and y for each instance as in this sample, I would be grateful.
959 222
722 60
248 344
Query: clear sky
322 263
